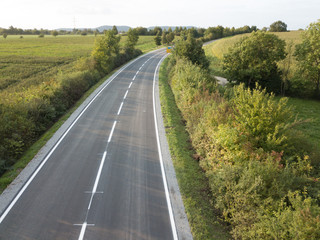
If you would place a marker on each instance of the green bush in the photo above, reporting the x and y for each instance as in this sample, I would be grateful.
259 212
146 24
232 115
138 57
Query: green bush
257 163
254 60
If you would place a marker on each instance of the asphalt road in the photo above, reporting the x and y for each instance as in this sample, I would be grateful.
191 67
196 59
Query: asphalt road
103 180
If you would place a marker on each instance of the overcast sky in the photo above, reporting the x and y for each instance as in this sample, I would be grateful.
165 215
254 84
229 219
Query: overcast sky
51 14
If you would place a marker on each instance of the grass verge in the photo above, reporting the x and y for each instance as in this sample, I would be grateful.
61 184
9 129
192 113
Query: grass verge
193 184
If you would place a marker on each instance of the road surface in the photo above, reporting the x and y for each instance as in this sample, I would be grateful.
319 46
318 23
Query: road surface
103 179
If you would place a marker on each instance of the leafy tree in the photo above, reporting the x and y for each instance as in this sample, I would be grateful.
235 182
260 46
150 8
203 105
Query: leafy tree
170 37
115 30
105 51
4 35
156 30
157 39
55 33
278 26
132 39
308 55
254 60
164 38
192 50
142 31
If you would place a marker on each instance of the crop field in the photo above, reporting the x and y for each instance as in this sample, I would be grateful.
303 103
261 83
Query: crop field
40 79
221 47
29 61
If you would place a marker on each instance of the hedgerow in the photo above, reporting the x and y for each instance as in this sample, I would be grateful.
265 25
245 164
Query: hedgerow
262 174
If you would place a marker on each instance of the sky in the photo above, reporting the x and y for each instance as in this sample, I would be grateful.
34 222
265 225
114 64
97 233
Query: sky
53 14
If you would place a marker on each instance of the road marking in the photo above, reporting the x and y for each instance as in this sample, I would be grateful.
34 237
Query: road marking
120 108
16 198
130 85
125 95
111 133
134 77
173 224
97 179
83 230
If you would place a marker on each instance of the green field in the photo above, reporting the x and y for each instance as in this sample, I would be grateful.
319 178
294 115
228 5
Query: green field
32 60
40 79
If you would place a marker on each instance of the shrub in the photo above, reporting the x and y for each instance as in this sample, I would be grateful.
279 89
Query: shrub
261 178
254 60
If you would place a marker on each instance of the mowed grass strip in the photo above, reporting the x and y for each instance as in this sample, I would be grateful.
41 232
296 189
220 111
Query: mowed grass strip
193 184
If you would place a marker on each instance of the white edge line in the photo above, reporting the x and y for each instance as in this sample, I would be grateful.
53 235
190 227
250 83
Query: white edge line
21 191
173 225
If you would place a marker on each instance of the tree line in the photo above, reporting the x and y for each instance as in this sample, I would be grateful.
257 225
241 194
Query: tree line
206 34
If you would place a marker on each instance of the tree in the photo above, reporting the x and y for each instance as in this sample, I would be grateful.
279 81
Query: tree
254 60
106 49
308 55
170 37
4 35
164 38
192 50
278 26
132 39
156 30
115 30
157 39
55 33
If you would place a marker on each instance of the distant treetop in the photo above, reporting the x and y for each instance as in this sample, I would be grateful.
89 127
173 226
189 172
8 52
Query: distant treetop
278 26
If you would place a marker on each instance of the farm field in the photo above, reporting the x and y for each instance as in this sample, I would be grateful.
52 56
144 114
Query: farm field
40 79
32 60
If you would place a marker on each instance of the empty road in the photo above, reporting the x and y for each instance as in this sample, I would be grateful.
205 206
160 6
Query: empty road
103 178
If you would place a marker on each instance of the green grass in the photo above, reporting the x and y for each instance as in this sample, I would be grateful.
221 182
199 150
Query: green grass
31 61
193 184
308 109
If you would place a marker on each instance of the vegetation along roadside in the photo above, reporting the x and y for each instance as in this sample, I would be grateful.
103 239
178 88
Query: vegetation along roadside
262 170
31 106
